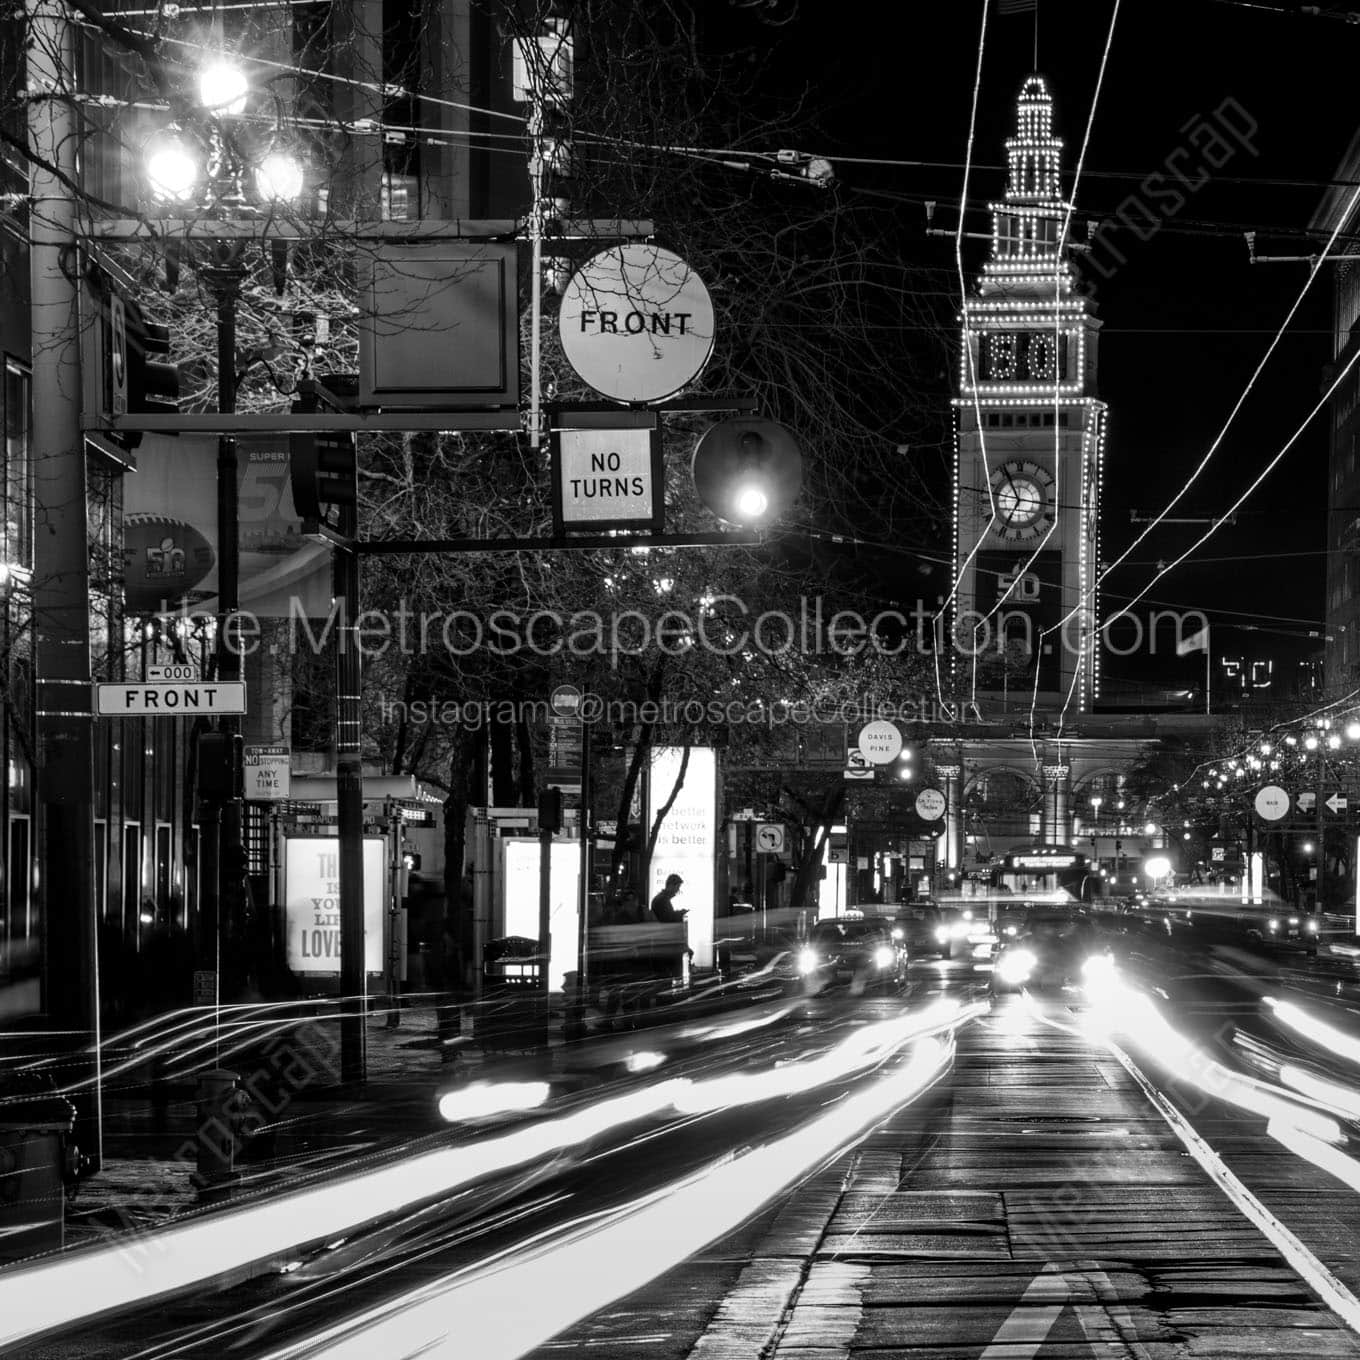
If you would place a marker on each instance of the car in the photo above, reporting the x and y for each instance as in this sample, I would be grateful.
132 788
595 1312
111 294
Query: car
1054 949
920 927
860 954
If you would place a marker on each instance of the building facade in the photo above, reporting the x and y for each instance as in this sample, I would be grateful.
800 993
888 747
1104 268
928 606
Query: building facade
1341 658
339 83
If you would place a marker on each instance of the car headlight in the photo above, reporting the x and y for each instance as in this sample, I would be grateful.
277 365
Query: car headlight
1293 920
1012 930
1312 925
808 961
898 933
967 915
885 956
1272 924
941 934
1097 967
1015 965
958 930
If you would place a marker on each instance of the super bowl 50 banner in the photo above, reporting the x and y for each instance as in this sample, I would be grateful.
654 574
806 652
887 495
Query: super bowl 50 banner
170 532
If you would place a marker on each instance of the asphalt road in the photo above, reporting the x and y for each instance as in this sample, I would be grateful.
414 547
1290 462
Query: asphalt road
1080 1176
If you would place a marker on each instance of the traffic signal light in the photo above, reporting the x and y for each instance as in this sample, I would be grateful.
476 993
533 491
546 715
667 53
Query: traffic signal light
152 381
908 761
550 810
324 472
221 767
747 471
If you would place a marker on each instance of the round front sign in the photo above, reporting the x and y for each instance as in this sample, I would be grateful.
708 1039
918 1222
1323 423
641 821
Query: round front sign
1272 803
930 805
636 323
880 742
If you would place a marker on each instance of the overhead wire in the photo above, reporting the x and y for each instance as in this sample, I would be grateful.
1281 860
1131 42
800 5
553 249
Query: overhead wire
936 628
1160 517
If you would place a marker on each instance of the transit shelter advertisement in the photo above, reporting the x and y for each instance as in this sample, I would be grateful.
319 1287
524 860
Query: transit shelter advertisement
311 894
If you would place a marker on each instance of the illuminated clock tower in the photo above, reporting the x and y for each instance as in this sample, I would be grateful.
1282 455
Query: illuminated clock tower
1029 437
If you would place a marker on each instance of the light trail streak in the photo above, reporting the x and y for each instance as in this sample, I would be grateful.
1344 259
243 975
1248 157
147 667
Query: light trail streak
1117 1009
862 1049
133 1270
62 1290
486 1314
1335 1041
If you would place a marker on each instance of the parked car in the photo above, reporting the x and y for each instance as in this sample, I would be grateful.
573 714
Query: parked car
860 954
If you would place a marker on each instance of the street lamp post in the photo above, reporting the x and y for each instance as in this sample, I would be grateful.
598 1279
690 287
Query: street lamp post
210 171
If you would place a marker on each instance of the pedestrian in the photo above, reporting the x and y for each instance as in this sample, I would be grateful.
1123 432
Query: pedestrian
663 904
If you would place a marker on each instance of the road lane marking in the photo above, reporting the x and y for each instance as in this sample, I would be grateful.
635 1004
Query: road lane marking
1090 1293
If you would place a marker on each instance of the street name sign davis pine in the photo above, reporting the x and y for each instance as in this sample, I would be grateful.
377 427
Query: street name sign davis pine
160 698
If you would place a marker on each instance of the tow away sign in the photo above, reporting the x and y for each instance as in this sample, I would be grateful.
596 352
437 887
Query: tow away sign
163 699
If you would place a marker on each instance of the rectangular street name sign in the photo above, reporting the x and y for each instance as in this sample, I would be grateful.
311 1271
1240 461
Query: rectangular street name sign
162 699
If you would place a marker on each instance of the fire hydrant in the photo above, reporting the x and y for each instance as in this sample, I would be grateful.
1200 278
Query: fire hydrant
222 1111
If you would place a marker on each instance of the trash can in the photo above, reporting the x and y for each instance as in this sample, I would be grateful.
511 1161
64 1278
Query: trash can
514 1009
36 1161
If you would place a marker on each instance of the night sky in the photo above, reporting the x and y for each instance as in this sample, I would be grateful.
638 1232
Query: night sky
1186 317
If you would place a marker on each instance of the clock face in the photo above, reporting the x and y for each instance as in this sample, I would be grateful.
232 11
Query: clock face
1020 491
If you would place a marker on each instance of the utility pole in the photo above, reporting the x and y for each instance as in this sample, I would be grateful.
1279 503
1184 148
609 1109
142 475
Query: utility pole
225 862
349 782
1319 857
61 594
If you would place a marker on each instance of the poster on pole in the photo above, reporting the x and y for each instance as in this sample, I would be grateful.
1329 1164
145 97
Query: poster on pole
687 842
311 894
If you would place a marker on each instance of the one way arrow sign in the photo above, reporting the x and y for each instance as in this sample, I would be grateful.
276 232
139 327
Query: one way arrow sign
1336 803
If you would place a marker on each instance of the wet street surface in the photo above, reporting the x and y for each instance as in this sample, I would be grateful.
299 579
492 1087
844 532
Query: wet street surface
1060 1174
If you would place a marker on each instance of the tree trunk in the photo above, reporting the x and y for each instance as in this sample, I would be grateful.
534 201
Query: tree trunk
833 804
661 814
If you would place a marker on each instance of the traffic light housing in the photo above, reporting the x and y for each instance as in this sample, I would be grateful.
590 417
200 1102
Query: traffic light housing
152 379
221 767
324 471
747 471
550 810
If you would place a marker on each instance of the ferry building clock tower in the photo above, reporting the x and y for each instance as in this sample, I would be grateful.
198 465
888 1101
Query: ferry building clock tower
1029 438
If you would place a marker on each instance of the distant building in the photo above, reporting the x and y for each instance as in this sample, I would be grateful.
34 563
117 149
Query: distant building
1341 667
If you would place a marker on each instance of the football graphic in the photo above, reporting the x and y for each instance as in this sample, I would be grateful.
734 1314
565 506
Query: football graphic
163 561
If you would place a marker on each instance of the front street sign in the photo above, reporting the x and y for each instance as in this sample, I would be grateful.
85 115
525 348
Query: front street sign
162 699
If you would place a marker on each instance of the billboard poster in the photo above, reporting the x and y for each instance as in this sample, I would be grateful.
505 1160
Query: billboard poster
521 900
687 842
170 531
311 895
